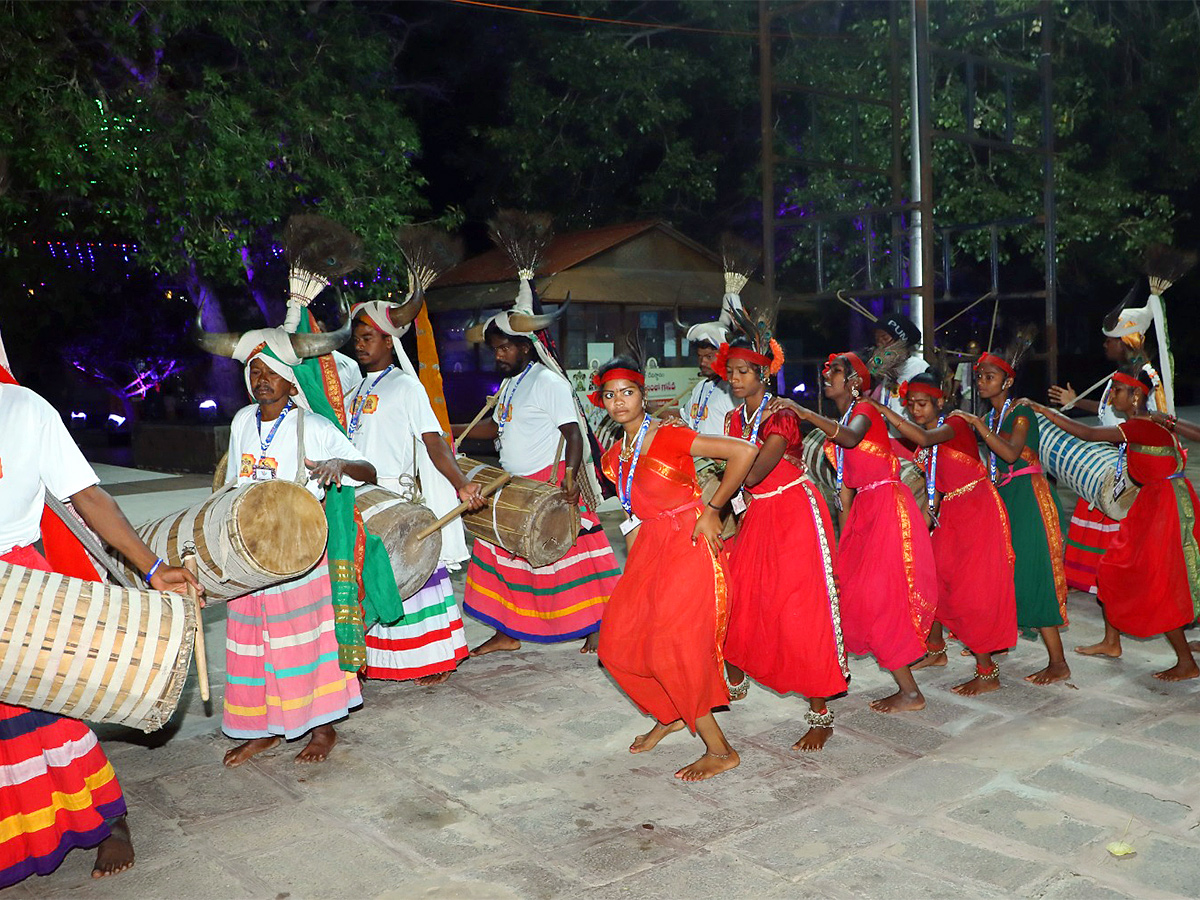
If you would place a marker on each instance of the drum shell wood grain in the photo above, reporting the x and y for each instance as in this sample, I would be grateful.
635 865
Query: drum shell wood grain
247 537
396 522
530 519
93 651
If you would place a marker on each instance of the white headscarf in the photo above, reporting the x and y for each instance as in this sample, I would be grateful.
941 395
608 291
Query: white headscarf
251 347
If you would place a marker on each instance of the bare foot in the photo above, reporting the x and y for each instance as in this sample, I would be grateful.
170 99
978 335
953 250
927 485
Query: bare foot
1052 673
977 686
242 752
115 853
814 739
498 641
590 643
1181 671
932 658
708 765
899 702
430 680
1103 648
322 741
650 739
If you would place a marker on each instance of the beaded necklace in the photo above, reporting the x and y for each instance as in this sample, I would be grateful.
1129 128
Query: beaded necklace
625 486
991 418
505 409
839 454
1119 483
750 429
931 458
357 404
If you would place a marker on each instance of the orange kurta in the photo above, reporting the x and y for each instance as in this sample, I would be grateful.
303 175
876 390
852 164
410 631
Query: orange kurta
665 620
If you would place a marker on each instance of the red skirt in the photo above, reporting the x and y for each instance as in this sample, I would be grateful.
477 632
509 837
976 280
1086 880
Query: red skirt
887 578
973 551
1143 578
785 627
1089 536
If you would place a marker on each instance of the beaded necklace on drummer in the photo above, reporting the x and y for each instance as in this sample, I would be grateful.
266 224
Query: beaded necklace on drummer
839 454
625 484
931 455
748 432
506 399
266 445
991 417
356 407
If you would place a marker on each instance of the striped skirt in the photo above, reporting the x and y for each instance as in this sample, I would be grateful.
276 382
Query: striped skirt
57 788
1089 536
546 604
281 661
429 641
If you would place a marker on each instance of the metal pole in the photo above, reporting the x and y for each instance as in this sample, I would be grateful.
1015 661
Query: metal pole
1048 206
921 249
765 77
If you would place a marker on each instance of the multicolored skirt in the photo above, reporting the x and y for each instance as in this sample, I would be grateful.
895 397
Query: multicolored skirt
546 604
281 658
57 789
1089 536
429 641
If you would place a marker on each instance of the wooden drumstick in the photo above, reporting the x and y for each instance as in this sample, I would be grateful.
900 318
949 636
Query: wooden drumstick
449 517
189 563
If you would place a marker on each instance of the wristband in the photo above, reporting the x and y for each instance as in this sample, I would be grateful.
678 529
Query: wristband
710 506
154 568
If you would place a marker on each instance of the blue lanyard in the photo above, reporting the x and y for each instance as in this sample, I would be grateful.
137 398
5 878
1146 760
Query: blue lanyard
625 487
931 474
506 399
753 436
991 418
1119 484
840 454
356 405
265 445
700 408
1103 405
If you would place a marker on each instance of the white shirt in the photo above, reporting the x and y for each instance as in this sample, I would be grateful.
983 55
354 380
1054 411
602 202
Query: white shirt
36 454
393 413
540 403
1110 419
706 407
247 462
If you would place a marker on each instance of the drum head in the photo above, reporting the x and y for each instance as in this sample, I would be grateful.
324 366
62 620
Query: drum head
282 527
413 560
553 530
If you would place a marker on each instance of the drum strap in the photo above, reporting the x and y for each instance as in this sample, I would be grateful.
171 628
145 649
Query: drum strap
301 470
553 477
90 542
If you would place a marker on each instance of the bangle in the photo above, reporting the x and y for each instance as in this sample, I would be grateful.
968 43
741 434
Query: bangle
154 568
835 431
1171 422
710 506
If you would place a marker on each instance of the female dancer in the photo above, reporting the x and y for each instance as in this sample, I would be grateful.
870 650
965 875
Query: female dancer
665 620
885 564
1011 437
785 627
971 541
1147 579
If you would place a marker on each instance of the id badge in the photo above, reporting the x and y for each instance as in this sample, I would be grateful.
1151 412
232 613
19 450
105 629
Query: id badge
266 470
738 503
629 524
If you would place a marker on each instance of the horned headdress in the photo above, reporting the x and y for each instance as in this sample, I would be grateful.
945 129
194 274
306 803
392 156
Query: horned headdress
739 259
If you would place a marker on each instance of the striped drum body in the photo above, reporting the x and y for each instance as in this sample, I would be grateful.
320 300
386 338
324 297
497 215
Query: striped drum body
246 538
93 651
1087 468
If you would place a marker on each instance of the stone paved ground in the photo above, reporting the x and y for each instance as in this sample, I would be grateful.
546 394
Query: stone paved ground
512 780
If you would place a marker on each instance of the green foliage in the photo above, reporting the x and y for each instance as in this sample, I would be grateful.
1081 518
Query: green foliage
197 129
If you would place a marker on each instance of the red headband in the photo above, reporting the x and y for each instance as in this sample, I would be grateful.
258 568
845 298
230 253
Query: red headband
856 364
1130 381
908 388
998 361
725 353
611 375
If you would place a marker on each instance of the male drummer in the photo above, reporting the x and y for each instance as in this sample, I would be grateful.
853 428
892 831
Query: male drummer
899 333
535 417
60 789
391 422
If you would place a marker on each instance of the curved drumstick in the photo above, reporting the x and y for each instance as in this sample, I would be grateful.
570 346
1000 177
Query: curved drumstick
490 487
189 563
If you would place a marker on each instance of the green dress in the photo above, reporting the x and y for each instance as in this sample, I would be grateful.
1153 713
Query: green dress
1034 515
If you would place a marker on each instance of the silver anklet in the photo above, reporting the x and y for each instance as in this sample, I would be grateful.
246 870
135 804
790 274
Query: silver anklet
819 720
740 690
